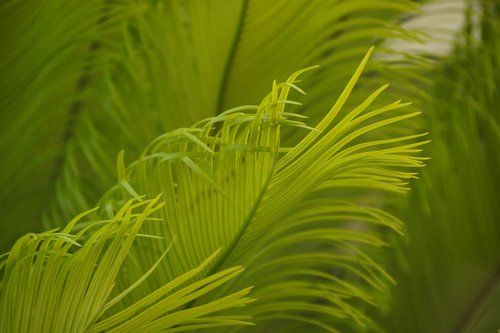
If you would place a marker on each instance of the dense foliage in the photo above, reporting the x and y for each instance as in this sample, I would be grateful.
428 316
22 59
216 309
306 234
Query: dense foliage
162 171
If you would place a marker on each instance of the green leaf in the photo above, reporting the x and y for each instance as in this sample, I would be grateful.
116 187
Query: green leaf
77 81
64 282
226 183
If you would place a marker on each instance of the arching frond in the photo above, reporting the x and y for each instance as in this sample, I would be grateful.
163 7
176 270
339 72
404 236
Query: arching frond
228 182
66 282
185 61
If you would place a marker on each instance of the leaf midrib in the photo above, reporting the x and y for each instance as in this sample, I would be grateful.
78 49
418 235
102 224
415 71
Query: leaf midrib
228 68
221 100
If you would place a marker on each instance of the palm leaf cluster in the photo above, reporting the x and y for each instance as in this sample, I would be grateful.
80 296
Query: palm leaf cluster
214 212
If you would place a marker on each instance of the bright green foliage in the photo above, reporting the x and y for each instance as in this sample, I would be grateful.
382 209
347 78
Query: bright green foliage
115 74
266 218
63 282
227 182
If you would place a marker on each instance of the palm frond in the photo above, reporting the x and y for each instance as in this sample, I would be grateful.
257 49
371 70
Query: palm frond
228 182
66 282
185 61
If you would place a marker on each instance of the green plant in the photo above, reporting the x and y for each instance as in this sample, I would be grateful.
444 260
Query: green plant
255 218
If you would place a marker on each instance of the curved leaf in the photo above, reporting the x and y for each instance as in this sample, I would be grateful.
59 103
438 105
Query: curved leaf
227 182
184 61
64 282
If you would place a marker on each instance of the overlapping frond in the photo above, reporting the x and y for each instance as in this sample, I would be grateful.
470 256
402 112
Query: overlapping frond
67 282
167 59
228 182
185 61
255 186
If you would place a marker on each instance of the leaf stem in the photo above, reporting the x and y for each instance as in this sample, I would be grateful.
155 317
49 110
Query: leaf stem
228 68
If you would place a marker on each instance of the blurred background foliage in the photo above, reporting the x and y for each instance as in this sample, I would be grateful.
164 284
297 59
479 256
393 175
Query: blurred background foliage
82 81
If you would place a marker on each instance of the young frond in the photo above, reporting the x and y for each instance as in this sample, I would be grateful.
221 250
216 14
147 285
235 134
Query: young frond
67 281
228 182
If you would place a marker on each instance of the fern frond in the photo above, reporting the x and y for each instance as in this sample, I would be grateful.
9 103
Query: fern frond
66 282
228 182
185 61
